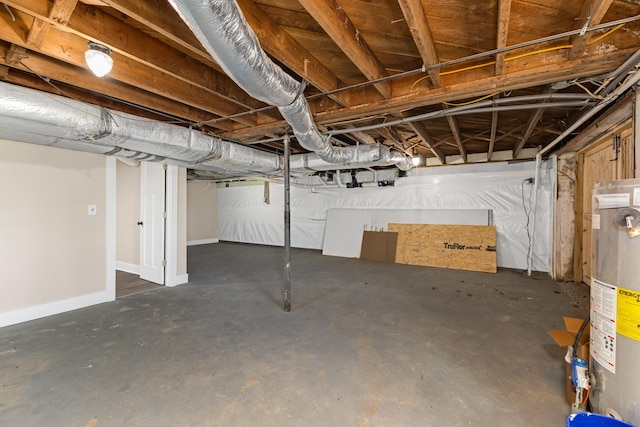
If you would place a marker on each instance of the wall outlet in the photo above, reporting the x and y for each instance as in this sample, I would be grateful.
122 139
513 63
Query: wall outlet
92 210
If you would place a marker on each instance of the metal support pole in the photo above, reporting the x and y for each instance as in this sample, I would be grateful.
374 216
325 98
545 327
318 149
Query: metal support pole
534 208
286 288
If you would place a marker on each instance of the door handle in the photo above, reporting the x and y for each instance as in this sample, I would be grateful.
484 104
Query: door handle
139 222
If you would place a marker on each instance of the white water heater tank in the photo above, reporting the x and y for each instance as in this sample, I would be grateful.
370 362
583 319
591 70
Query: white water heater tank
615 300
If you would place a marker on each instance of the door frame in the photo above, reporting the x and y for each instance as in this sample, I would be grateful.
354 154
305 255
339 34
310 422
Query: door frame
175 179
624 169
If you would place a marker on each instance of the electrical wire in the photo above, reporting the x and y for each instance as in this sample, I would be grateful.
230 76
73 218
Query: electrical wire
576 342
512 58
581 86
13 18
570 179
425 68
616 28
486 64
173 119
586 398
528 215
472 102
535 52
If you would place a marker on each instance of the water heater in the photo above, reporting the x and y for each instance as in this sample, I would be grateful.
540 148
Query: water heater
615 300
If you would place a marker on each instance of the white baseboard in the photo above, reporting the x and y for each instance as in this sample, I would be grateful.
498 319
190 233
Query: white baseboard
57 307
126 267
202 242
178 280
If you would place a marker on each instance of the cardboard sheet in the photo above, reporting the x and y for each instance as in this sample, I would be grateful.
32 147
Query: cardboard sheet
379 246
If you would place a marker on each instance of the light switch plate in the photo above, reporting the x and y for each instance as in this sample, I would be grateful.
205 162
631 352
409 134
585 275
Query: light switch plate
92 210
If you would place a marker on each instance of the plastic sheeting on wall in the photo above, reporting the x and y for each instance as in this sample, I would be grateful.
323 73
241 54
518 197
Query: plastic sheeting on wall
245 217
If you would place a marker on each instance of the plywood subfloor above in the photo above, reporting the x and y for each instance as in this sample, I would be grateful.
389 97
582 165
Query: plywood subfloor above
463 247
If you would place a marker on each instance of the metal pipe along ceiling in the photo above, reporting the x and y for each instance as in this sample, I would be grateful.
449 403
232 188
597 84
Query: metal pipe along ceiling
225 34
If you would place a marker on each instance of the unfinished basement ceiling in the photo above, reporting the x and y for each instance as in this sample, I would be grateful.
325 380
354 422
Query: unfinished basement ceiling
366 64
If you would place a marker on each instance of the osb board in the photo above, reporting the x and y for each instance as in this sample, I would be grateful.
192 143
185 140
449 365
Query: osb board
379 246
462 247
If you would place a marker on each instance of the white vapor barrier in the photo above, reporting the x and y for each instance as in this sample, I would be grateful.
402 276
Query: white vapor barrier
500 187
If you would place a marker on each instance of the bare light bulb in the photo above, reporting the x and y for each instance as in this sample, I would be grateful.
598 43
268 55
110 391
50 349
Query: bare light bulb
98 59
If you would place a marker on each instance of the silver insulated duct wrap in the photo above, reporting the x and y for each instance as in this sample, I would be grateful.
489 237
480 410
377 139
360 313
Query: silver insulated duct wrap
364 156
298 115
225 34
31 116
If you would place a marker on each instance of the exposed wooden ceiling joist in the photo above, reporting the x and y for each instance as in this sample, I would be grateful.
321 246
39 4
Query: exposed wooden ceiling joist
162 70
592 13
504 15
339 27
417 21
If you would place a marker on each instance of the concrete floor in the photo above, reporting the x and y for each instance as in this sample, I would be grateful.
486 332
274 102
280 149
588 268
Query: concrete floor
367 344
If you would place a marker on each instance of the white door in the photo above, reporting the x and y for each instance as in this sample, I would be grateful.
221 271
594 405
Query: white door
152 218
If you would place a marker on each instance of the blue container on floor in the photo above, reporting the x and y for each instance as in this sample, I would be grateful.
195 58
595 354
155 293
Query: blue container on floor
587 419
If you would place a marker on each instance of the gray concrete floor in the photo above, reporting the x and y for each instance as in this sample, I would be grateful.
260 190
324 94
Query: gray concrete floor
367 344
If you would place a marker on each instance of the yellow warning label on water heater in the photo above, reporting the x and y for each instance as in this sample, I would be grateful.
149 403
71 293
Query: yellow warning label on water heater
628 313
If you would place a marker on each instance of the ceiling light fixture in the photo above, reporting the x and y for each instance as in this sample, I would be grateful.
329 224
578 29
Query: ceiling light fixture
415 159
98 59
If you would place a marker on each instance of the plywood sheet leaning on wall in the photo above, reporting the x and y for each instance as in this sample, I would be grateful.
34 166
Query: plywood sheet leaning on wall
463 247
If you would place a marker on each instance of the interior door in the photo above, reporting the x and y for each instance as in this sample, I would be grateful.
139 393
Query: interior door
152 222
601 162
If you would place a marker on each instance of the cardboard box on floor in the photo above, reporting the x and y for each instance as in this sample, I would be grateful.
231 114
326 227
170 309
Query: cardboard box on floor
566 338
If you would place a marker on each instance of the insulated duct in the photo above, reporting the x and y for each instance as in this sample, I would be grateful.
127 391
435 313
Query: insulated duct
225 34
364 156
32 116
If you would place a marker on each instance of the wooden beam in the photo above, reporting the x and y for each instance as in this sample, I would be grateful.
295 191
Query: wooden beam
279 44
92 24
455 130
421 32
25 79
400 139
504 16
532 122
388 136
162 18
4 72
591 14
59 71
67 47
333 19
15 54
427 139
492 138
518 79
60 12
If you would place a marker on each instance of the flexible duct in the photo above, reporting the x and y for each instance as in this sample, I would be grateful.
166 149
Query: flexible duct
32 116
28 115
225 34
